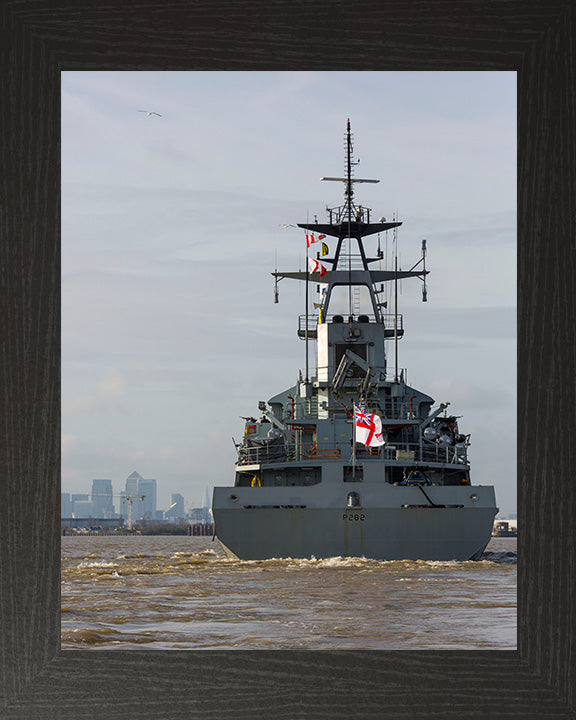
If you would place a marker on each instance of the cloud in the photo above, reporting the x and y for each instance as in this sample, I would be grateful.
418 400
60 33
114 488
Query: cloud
163 452
111 385
459 325
68 443
470 396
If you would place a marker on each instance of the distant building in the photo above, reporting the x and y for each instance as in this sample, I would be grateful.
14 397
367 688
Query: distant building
123 505
132 483
77 499
65 505
132 488
83 509
137 485
207 503
200 515
176 509
125 511
102 500
148 489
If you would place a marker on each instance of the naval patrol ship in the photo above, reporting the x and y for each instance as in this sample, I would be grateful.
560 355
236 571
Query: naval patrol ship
351 461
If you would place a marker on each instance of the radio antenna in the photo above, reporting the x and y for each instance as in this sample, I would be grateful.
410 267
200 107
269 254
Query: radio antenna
275 276
395 305
424 291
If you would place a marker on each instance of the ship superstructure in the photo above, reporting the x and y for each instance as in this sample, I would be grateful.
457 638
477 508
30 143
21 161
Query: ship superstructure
304 486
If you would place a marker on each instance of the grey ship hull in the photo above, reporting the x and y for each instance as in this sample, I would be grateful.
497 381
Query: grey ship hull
393 522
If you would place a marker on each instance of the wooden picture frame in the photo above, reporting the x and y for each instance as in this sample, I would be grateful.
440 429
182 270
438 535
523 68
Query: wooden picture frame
39 40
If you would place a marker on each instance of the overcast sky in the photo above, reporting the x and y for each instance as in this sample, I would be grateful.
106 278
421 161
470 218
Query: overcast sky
172 225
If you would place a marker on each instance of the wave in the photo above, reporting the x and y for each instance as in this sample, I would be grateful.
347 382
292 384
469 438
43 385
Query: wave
103 636
500 556
370 564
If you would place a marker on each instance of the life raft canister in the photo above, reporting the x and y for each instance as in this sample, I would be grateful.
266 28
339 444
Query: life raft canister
250 430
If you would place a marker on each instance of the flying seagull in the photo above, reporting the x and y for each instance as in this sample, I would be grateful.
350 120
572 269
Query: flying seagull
148 113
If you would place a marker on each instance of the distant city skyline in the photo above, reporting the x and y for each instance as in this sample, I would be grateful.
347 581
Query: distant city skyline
137 500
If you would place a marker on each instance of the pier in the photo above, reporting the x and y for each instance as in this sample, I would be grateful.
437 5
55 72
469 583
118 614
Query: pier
106 526
201 529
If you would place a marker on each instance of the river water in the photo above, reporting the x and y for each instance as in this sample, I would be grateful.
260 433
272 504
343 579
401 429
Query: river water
162 593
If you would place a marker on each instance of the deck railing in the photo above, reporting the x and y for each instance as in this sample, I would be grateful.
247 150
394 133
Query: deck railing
387 319
265 453
392 409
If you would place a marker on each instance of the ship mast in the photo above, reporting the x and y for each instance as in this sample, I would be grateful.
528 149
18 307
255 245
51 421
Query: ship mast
349 192
306 321
395 306
351 224
348 222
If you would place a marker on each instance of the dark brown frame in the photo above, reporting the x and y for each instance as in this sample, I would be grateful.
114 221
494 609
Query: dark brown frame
40 38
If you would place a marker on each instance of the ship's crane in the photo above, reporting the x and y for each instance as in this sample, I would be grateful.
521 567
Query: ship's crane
129 498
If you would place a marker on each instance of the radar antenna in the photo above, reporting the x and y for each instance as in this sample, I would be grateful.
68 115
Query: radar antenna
349 180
